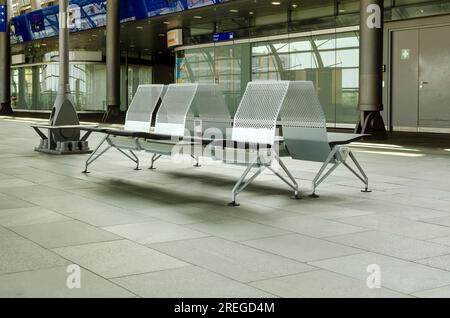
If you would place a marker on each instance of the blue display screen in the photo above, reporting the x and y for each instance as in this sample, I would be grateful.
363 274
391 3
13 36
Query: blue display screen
3 18
89 14
224 36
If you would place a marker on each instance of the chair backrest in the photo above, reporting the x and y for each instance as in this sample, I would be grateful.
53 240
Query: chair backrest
210 110
171 117
139 115
256 117
304 123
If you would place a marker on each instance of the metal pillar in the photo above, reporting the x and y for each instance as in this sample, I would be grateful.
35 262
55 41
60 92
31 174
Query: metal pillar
63 112
64 128
371 69
5 61
112 60
35 4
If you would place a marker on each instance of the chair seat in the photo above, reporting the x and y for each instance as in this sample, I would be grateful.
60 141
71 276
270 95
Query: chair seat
336 139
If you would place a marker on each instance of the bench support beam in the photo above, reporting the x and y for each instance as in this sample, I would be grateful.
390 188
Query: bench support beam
339 155
262 164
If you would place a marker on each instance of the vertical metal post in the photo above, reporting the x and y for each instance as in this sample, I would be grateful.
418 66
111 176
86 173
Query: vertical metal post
371 69
5 58
112 59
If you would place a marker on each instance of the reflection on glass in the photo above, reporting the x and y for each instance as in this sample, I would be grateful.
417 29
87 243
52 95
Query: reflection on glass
35 87
330 61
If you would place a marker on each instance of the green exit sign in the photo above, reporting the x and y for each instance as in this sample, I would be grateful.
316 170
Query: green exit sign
405 54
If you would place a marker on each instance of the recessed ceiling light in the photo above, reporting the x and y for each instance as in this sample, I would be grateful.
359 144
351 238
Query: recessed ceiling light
251 13
234 11
276 3
197 17
140 27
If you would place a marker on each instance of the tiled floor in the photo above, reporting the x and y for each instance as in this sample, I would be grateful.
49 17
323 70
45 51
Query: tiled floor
169 233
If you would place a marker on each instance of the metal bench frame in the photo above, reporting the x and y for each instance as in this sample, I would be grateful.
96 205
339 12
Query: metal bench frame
306 138
254 131
138 119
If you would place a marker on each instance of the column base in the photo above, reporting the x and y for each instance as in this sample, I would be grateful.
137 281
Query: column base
372 123
5 109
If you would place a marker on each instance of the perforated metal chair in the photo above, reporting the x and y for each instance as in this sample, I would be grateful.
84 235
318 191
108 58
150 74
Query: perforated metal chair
306 138
170 124
209 113
138 120
185 106
253 140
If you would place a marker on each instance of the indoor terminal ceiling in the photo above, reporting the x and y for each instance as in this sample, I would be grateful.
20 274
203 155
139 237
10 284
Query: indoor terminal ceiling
148 37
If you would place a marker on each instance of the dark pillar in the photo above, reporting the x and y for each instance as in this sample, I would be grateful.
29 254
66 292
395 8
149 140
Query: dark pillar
5 61
23 89
112 60
36 90
371 69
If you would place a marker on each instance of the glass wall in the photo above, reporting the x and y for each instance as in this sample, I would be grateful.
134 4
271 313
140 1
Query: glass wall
228 65
34 87
330 61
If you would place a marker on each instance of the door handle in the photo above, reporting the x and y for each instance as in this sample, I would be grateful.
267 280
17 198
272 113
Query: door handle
423 83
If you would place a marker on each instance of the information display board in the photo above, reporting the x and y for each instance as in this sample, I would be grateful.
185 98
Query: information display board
89 14
3 16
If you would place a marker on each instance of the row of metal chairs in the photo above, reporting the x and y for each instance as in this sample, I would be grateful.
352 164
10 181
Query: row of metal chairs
194 119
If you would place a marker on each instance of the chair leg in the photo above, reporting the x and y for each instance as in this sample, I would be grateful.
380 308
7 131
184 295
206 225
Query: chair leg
241 184
319 178
292 183
154 159
133 157
197 164
363 177
94 155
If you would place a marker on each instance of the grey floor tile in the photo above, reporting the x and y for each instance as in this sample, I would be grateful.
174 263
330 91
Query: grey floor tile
10 202
442 240
314 226
103 218
188 282
36 190
398 225
58 234
28 216
445 221
154 232
118 258
322 284
399 275
230 259
237 229
392 245
14 182
301 248
442 262
18 254
441 292
52 283
186 214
